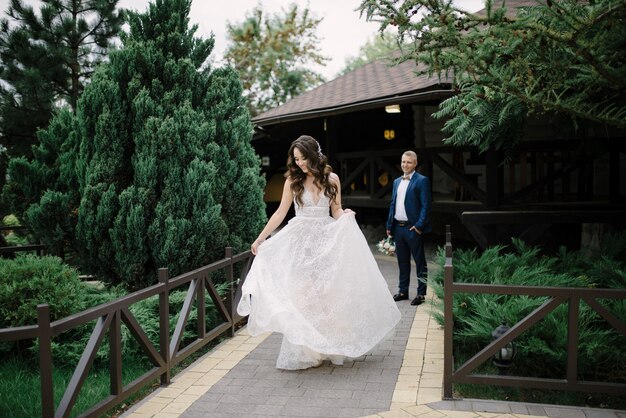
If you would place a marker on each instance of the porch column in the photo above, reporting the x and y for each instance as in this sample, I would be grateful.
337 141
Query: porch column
419 116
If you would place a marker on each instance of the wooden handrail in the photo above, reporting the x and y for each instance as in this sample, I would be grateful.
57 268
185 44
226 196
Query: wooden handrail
556 296
111 315
19 248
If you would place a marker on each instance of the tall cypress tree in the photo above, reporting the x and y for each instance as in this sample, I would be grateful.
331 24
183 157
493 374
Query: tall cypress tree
166 172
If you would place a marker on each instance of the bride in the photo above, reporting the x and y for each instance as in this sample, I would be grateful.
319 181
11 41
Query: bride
316 280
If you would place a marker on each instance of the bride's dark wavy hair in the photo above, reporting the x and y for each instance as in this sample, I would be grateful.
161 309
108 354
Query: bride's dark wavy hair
317 165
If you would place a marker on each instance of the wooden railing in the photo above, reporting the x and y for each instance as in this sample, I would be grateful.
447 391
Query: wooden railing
109 318
539 172
556 296
360 171
38 248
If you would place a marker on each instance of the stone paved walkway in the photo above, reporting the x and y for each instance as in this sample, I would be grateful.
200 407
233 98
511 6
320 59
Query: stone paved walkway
402 378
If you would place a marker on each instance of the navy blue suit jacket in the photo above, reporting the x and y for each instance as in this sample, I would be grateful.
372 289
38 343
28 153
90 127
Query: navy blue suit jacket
416 203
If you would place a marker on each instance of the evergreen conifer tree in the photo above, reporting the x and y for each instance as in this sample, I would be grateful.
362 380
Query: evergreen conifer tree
165 169
46 56
516 58
44 188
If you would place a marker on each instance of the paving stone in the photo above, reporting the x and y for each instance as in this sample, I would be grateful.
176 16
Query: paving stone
356 412
238 382
271 383
349 384
495 407
328 393
536 410
202 406
558 412
247 399
277 400
519 408
267 410
317 411
224 390
234 408
289 392
600 413
305 402
369 402
241 382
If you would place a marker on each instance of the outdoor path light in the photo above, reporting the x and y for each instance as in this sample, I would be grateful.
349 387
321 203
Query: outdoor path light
503 358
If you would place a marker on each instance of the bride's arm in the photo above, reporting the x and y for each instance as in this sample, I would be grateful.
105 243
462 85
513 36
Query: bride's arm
335 205
277 218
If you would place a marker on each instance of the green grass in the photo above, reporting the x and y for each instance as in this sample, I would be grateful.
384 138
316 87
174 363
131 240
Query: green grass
20 387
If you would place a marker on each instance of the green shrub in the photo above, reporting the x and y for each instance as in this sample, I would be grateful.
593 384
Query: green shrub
542 349
10 220
14 238
29 280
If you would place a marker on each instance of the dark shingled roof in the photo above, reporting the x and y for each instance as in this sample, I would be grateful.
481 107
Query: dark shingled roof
511 6
374 84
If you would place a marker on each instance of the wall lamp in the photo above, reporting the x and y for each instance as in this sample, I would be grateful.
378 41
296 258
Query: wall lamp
392 108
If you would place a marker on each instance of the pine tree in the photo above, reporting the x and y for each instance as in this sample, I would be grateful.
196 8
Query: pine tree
560 56
45 59
165 169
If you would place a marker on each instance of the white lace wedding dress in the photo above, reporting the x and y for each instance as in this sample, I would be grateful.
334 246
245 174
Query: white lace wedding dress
317 283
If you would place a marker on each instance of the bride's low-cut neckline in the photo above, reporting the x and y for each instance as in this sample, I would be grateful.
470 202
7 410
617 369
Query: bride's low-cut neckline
319 195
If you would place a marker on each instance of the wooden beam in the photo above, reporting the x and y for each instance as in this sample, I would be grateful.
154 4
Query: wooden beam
478 232
533 232
355 173
493 178
543 217
457 176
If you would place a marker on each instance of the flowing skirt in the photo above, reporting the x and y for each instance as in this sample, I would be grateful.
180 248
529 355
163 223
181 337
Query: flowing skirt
317 283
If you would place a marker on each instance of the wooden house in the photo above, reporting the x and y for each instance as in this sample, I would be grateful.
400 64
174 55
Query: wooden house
553 184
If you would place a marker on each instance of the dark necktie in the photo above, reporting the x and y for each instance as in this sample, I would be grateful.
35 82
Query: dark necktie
406 177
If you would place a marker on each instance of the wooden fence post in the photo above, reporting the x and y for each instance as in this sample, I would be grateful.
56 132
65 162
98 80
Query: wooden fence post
45 360
164 325
230 275
448 358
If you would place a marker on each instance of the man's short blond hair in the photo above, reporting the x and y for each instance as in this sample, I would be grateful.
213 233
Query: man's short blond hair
411 154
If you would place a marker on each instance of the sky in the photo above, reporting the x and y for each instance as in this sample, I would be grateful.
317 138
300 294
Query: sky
342 31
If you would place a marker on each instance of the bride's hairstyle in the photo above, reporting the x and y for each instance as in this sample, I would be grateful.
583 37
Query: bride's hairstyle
317 165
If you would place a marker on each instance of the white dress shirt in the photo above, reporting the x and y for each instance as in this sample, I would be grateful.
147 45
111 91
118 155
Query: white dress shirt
400 214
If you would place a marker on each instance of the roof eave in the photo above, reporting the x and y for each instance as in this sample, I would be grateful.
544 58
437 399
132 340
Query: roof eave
351 107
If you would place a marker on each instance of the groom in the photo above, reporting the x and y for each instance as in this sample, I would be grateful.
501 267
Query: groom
407 222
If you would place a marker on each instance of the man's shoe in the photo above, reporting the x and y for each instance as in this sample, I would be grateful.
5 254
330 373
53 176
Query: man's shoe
400 296
419 299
